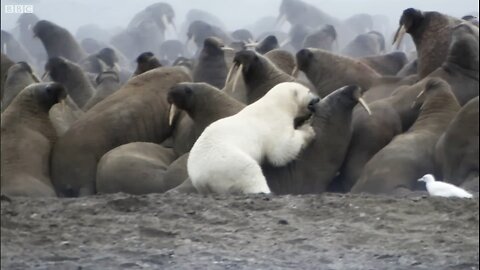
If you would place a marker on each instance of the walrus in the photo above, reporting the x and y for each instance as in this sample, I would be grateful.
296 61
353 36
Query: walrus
145 62
370 133
314 168
431 32
284 60
135 168
259 75
367 44
103 60
201 104
411 155
211 66
71 75
27 139
386 64
199 30
18 76
171 50
6 63
136 112
25 23
242 35
15 51
269 43
323 38
323 70
296 36
107 83
456 152
58 41
408 69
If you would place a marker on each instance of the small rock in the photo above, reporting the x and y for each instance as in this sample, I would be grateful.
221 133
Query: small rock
283 222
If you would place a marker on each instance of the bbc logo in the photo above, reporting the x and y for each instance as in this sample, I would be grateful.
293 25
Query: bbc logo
18 8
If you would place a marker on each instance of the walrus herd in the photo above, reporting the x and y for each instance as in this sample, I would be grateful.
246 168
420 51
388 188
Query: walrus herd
329 105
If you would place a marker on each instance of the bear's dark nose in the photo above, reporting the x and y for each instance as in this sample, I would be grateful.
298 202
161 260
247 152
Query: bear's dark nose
311 104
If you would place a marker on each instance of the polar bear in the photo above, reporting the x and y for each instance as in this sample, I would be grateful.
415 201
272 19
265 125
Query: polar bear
226 157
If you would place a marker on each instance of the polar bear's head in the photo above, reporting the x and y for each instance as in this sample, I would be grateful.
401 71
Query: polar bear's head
294 98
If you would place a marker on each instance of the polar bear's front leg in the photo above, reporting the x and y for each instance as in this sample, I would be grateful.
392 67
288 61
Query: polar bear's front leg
284 151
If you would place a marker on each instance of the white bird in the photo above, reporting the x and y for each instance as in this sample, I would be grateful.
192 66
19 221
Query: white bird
442 189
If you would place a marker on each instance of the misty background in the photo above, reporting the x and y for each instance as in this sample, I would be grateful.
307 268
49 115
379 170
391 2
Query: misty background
111 14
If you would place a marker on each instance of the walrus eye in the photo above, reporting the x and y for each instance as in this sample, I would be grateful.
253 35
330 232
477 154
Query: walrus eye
188 91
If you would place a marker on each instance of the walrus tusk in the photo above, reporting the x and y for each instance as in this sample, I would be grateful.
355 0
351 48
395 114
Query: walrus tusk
226 48
45 75
285 42
364 105
295 72
35 78
418 96
5 48
251 40
103 65
171 114
237 76
399 35
62 105
251 44
230 72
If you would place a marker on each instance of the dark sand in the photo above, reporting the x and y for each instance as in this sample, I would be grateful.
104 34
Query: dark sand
171 231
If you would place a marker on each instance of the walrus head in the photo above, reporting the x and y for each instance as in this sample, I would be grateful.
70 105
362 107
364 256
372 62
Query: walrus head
108 56
433 86
304 58
267 44
44 29
145 62
431 32
322 38
464 48
345 97
48 94
163 14
27 20
247 63
214 46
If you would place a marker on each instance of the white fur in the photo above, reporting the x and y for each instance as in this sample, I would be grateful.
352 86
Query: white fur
226 156
442 189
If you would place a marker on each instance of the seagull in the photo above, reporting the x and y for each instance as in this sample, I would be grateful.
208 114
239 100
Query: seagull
442 189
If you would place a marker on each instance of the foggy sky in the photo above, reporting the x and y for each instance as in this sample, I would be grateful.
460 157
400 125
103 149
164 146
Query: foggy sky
234 14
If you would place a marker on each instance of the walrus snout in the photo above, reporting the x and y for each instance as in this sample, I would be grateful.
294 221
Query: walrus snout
311 104
303 58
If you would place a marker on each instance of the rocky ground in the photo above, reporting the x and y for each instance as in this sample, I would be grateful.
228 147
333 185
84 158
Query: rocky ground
172 231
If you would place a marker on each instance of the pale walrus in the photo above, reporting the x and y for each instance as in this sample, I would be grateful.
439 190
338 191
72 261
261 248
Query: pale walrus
58 41
18 76
136 112
457 150
135 168
27 138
